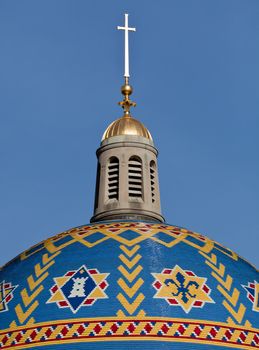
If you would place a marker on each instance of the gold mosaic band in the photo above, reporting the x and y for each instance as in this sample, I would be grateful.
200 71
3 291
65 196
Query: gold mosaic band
129 329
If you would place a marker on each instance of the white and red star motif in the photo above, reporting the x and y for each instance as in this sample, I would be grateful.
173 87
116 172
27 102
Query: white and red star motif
78 288
6 294
252 290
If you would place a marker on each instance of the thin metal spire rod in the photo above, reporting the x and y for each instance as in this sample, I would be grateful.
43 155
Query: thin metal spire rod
126 29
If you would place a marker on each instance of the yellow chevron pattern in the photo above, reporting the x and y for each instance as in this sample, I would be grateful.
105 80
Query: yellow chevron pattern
29 303
129 252
225 287
131 291
130 276
130 263
130 282
131 307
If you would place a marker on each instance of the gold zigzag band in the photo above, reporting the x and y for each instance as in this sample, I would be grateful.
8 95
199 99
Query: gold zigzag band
132 298
35 287
230 294
114 231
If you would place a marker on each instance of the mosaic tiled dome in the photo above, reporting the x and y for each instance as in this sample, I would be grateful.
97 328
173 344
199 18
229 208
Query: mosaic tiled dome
127 285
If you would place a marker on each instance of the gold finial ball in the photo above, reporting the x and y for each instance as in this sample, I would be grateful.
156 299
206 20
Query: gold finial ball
126 90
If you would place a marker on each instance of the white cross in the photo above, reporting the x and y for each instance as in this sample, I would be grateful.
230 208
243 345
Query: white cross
126 57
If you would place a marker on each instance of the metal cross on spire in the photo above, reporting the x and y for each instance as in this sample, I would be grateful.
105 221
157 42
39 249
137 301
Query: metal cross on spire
126 29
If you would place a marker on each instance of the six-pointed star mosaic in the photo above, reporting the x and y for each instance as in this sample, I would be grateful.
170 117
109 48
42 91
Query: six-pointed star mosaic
78 288
181 287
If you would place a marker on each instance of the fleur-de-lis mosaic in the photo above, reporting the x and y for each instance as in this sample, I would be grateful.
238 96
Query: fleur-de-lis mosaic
182 288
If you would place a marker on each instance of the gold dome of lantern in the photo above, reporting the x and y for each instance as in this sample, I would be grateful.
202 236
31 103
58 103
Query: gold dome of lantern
126 125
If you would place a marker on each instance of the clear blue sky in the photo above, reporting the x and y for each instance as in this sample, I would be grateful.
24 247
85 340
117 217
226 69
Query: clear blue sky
195 71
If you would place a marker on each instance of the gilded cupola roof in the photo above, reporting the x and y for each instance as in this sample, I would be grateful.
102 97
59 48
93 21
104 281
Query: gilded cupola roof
126 125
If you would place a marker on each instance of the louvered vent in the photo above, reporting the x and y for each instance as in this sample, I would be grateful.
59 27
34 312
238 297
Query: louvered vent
97 186
135 178
152 179
113 178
